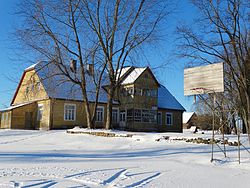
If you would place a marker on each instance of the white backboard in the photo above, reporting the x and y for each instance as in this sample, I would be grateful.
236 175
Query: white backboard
210 78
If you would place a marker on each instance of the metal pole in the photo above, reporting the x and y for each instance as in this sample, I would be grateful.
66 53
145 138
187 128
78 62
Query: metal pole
223 135
212 156
238 133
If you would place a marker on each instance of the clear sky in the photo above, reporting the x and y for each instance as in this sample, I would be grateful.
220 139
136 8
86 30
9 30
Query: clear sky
171 76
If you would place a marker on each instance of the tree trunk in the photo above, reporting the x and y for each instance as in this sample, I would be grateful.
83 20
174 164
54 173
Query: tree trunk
87 108
109 108
88 116
234 124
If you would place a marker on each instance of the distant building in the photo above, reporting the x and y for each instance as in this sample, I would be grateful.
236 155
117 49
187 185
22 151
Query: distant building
189 119
46 99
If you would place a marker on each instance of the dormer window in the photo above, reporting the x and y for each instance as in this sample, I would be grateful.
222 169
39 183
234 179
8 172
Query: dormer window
130 90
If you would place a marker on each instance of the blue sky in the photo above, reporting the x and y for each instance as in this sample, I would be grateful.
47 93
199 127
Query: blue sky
171 76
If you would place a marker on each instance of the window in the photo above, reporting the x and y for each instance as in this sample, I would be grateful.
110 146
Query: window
130 90
123 115
39 112
154 92
159 118
153 116
145 116
115 112
2 119
69 112
138 115
138 91
99 113
6 117
130 115
169 119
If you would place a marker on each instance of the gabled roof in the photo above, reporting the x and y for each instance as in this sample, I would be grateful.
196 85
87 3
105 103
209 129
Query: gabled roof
58 86
186 116
122 72
132 77
131 74
167 101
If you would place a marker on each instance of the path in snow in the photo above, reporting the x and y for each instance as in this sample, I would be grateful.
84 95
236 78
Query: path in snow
56 159
60 177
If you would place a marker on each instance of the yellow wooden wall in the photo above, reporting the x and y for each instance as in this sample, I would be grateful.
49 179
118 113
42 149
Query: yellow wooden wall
135 101
44 124
177 121
5 122
30 77
57 114
18 116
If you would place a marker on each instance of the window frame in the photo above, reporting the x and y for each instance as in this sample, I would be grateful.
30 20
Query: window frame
118 114
69 104
102 120
123 116
166 120
39 116
137 115
159 123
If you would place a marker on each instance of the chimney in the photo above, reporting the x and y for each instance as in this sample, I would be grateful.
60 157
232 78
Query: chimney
73 65
90 69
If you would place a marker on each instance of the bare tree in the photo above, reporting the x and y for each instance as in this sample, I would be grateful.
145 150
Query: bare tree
121 27
222 33
56 30
108 31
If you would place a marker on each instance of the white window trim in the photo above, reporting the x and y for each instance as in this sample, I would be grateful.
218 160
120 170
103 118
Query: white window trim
124 111
37 118
169 113
65 104
118 113
102 113
161 118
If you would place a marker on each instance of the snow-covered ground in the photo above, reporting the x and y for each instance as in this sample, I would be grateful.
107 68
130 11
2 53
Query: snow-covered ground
58 159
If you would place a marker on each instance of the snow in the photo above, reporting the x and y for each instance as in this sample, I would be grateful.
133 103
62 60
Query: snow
123 71
32 66
15 106
133 75
186 116
167 100
59 86
30 158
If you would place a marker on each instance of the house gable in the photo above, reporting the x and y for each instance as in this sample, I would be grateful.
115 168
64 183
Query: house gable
29 89
147 79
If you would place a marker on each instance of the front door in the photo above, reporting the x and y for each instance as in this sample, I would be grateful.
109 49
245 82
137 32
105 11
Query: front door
28 120
122 123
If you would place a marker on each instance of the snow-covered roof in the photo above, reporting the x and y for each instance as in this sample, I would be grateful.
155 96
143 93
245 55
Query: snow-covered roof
31 66
167 100
186 116
133 75
15 106
121 72
59 86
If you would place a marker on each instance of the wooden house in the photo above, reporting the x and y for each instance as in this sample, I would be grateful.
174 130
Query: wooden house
189 120
46 99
